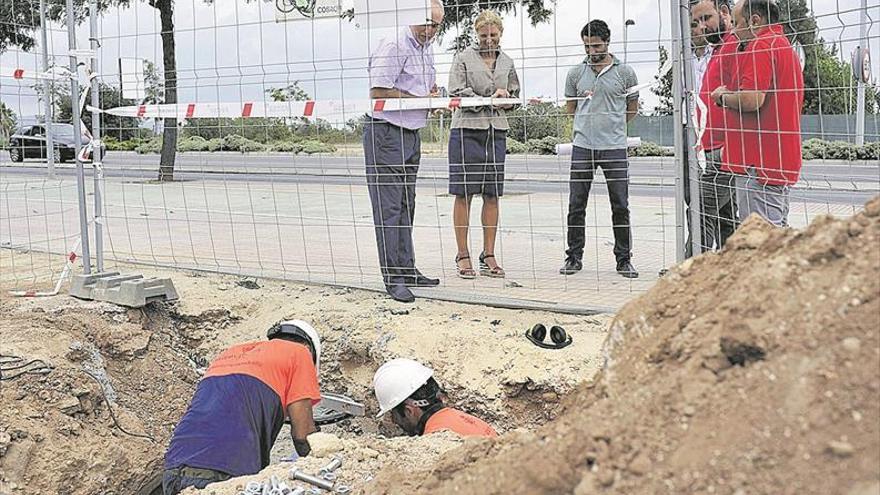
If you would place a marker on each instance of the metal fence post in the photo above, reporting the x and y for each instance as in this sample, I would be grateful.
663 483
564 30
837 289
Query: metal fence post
685 138
688 103
97 158
77 139
47 97
678 136
860 103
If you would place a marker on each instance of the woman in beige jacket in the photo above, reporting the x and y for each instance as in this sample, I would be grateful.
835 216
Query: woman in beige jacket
478 140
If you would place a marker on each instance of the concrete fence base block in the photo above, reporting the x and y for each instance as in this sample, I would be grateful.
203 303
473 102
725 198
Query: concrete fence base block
82 286
133 291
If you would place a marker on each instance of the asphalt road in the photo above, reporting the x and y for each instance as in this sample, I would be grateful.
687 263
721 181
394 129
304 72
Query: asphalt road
821 182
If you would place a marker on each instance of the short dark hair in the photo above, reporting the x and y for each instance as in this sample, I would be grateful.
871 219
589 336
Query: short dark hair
597 28
767 9
296 339
430 392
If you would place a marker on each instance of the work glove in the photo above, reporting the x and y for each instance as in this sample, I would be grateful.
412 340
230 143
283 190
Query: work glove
302 447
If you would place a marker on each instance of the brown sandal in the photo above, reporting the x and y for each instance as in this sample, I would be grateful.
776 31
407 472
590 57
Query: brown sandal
465 273
487 271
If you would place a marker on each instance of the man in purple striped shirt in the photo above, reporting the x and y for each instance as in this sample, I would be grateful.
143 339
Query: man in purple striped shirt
400 67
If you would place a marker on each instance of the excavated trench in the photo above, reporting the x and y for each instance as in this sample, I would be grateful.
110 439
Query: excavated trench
100 419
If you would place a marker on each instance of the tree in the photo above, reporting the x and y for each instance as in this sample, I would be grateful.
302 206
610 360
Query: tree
461 14
664 89
291 92
121 128
539 121
7 123
19 19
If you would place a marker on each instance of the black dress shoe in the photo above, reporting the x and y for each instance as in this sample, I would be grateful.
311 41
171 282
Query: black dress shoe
571 266
399 292
626 269
420 280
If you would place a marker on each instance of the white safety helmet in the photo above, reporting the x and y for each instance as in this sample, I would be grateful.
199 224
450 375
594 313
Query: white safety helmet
299 328
396 380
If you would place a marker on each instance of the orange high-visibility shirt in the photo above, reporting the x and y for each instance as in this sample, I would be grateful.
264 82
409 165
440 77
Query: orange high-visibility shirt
458 422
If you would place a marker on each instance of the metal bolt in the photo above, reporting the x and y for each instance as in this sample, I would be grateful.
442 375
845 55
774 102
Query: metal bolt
254 488
331 466
312 480
342 490
329 475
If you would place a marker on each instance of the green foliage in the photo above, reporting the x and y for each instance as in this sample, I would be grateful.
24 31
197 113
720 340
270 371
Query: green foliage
311 147
543 146
515 147
234 142
262 130
152 146
818 149
120 128
648 148
832 89
286 147
539 121
213 145
461 14
664 89
291 92
8 121
192 144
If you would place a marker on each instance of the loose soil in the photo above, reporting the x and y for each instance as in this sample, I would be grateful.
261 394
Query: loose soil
57 434
752 371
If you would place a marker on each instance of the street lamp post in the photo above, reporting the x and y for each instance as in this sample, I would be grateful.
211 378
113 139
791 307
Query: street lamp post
626 25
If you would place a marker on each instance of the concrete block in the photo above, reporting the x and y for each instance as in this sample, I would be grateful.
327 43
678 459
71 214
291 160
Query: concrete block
82 286
133 291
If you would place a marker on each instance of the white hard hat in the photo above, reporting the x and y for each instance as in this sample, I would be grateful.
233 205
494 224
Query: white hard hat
396 380
301 329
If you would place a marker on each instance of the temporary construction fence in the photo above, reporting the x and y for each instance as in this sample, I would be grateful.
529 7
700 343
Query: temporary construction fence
268 170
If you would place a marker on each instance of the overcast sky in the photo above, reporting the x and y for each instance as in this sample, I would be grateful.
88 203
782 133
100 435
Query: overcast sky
233 51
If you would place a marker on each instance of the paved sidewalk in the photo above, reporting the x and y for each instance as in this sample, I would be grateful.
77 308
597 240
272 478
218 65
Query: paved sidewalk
324 234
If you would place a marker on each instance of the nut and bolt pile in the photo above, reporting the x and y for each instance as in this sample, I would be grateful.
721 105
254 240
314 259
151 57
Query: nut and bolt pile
325 481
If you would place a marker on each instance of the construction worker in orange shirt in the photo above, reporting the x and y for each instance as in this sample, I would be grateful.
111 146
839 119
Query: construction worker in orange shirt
240 406
407 390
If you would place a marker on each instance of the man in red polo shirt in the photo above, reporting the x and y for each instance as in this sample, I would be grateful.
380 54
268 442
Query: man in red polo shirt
711 31
763 103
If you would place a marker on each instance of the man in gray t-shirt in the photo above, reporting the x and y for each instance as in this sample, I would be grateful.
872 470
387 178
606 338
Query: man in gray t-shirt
602 104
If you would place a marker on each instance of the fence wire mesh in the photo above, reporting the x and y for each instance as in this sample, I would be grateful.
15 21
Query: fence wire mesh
259 170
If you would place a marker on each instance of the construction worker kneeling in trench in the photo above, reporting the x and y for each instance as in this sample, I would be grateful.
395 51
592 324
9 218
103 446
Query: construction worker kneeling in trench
408 390
240 405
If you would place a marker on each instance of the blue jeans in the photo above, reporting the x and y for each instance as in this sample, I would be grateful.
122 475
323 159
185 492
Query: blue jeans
175 480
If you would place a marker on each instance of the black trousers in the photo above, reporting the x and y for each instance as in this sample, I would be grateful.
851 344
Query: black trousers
616 170
718 213
392 164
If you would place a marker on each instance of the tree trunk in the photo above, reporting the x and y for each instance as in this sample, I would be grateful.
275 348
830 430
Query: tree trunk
169 137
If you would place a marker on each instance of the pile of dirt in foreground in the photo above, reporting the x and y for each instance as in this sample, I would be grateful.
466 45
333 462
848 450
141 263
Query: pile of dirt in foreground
752 371
89 393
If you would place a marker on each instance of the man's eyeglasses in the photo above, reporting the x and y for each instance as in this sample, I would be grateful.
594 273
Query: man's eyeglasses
432 24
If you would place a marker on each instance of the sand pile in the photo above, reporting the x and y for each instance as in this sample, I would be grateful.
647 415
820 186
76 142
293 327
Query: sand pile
756 370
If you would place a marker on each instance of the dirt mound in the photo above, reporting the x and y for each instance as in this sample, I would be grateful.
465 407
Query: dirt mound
57 433
756 370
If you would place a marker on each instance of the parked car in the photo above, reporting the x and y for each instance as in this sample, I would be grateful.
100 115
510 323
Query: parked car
30 142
